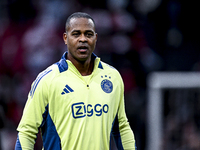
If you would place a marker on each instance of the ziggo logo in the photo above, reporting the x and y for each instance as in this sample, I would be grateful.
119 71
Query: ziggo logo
80 110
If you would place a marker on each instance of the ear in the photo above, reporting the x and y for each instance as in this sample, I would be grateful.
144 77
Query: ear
65 38
96 36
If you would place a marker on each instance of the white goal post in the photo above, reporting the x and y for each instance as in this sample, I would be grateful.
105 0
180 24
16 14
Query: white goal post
157 81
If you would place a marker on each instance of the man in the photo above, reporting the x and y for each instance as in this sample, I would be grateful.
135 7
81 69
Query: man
78 103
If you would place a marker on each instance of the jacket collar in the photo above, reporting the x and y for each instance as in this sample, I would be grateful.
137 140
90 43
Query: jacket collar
63 66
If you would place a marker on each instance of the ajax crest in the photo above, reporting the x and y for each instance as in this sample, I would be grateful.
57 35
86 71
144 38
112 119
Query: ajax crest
107 86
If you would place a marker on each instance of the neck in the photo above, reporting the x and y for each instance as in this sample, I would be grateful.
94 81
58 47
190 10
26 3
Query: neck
84 67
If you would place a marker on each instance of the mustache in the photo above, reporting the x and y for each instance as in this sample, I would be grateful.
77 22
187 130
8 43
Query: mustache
83 46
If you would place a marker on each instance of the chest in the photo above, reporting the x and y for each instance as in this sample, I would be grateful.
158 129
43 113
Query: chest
72 96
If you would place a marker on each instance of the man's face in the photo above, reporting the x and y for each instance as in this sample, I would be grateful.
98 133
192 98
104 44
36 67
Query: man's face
80 39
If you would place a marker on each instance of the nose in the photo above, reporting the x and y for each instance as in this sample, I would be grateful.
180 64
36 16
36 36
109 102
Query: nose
82 38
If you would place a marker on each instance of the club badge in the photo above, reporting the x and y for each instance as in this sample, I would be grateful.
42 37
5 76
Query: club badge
107 86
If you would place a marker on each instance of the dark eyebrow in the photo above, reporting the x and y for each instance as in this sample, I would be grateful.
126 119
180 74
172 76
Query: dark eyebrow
89 31
85 31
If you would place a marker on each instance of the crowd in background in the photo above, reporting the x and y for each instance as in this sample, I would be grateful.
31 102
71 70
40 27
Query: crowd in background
181 121
135 36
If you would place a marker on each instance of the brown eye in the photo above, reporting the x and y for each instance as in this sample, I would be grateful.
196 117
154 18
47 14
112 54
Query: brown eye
75 34
89 35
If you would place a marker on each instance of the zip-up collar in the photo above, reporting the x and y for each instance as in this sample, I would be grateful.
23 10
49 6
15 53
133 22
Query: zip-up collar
63 65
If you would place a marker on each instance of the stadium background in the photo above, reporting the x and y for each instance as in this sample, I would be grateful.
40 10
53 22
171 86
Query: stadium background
135 36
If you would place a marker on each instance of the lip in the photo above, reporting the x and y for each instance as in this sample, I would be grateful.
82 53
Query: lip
82 48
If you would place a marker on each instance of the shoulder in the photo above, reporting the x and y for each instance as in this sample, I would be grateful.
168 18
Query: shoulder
43 79
113 75
48 74
109 68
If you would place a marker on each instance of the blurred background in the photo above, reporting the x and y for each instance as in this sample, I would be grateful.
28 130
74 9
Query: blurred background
137 37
